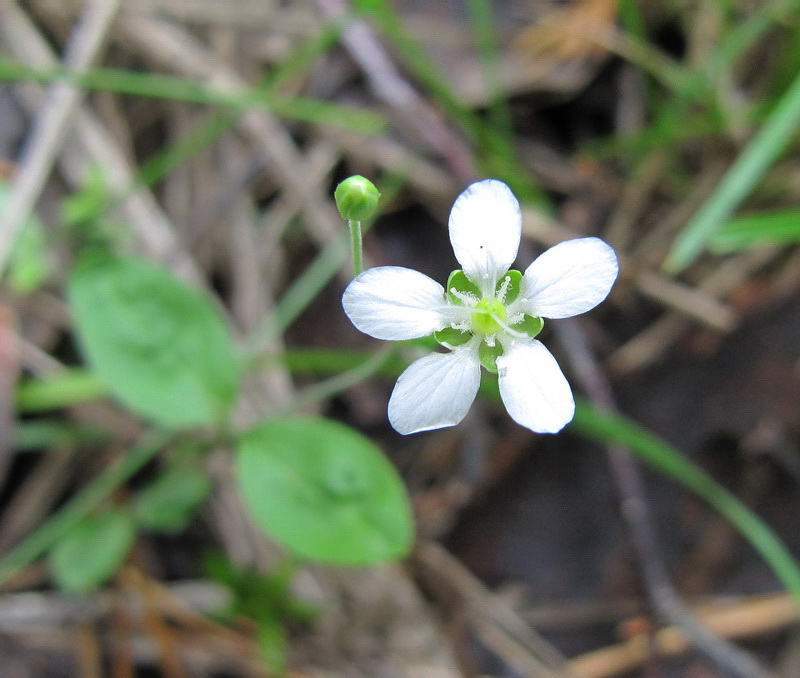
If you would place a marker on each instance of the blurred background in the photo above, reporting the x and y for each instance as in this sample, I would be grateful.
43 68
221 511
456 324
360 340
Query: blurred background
208 137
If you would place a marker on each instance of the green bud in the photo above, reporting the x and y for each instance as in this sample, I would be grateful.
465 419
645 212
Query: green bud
357 198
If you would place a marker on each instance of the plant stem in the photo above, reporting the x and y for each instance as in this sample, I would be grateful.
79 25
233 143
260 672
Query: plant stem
357 245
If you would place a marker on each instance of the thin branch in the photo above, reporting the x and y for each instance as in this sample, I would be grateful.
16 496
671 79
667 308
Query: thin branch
390 87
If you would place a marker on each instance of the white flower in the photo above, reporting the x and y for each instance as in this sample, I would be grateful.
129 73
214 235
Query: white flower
488 316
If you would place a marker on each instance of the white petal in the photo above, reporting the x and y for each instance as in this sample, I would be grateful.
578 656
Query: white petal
485 227
435 391
570 278
533 388
391 302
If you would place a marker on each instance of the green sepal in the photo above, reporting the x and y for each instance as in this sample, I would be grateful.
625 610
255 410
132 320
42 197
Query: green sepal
452 337
514 286
530 325
489 355
459 280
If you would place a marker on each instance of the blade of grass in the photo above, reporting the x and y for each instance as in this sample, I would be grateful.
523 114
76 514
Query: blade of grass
777 132
781 227
744 32
692 111
424 69
342 381
483 31
660 455
154 85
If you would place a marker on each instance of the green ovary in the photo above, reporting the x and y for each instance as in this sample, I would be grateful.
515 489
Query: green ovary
484 314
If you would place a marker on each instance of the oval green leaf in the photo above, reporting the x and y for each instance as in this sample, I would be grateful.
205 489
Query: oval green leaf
160 346
92 551
324 492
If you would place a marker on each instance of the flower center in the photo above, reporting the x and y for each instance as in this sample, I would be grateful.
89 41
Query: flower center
486 314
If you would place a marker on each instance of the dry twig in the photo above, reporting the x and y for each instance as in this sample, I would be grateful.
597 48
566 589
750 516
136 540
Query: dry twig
53 120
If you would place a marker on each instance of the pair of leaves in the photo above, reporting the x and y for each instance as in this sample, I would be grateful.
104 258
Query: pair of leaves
164 351
320 489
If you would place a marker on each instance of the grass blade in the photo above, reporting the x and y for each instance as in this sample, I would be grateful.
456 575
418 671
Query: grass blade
660 455
778 131
780 227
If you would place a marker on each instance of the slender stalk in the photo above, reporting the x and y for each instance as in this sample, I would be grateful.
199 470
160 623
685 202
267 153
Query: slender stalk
357 245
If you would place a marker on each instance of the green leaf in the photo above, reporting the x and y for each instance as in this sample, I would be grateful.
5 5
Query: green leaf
92 551
160 346
169 502
324 492
780 227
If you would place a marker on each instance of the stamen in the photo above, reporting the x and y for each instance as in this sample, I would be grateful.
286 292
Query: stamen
514 333
467 297
501 294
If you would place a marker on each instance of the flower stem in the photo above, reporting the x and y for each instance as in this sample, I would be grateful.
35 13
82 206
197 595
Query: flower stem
357 245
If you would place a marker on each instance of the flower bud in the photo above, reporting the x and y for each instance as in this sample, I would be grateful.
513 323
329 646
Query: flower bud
357 198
